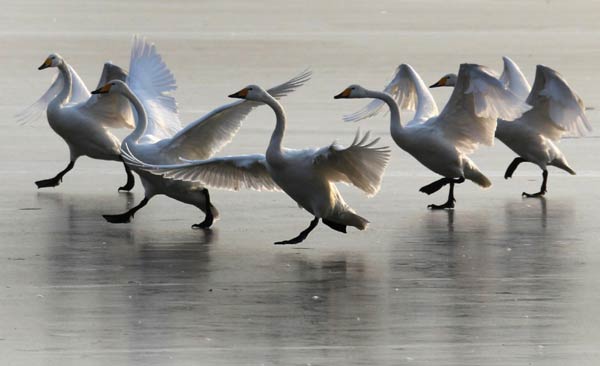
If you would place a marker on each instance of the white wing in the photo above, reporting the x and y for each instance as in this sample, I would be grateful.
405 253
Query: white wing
478 100
38 109
557 110
111 110
229 172
202 138
35 111
79 93
409 91
514 80
152 81
361 164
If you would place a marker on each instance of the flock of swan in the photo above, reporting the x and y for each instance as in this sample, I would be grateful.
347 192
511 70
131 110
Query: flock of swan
179 161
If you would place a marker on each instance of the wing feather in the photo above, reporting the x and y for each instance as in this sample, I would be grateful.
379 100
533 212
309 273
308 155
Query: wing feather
361 164
477 101
410 93
152 82
229 172
514 80
204 137
111 110
557 109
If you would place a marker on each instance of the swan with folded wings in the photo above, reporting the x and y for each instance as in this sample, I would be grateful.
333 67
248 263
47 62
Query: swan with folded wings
556 111
81 119
442 142
306 175
158 137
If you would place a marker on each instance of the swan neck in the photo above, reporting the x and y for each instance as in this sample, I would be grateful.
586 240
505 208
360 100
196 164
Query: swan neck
65 94
395 124
275 146
141 122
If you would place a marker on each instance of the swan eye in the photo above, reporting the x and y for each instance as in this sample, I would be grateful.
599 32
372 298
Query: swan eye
249 88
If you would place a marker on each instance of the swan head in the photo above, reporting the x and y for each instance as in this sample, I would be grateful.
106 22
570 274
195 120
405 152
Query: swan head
353 91
251 92
446 80
53 60
112 87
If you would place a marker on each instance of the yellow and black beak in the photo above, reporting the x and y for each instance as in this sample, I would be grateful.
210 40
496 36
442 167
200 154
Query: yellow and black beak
240 95
46 64
103 90
441 82
344 94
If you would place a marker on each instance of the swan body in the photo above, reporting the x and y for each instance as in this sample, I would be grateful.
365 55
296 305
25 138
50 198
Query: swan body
556 110
80 119
306 175
442 142
159 138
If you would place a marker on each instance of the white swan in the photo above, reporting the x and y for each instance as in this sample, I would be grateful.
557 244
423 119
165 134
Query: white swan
82 120
158 137
556 111
442 142
306 175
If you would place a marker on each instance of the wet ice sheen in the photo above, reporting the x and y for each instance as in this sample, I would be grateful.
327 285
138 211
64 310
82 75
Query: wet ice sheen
499 281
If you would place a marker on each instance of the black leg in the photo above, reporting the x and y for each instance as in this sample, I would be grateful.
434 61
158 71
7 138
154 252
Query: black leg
435 186
302 235
543 189
209 219
53 182
335 226
130 179
451 200
126 217
513 166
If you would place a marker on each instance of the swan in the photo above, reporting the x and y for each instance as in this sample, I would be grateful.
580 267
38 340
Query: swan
81 119
158 137
306 175
442 142
556 111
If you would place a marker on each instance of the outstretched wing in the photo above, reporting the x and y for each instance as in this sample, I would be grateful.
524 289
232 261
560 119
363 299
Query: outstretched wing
152 82
38 109
111 110
361 164
478 100
557 110
202 138
410 93
79 93
514 80
229 172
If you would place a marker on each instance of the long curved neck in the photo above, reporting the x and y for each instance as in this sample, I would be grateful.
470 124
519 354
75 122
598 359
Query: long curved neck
275 146
141 123
67 90
395 125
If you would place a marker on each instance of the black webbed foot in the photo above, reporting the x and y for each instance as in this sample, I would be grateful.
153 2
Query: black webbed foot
123 218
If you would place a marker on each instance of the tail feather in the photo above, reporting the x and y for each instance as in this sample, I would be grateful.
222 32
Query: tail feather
350 218
472 173
563 165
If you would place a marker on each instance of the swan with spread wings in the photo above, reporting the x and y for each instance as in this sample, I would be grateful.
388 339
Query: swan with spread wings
159 138
306 175
556 111
442 142
81 119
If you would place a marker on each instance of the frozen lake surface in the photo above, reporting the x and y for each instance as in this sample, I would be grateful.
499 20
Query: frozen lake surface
499 281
